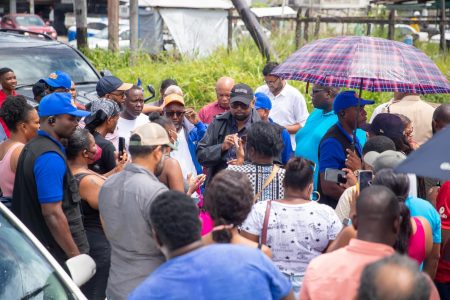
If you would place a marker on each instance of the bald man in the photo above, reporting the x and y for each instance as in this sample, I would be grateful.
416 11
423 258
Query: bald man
396 277
222 104
336 275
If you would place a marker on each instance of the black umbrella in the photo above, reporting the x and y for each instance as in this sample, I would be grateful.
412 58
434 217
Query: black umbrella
432 159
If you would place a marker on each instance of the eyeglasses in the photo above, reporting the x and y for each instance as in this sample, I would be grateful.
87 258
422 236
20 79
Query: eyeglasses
236 105
271 82
315 91
170 114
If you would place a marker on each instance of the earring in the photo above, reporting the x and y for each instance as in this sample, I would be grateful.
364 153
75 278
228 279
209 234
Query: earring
315 198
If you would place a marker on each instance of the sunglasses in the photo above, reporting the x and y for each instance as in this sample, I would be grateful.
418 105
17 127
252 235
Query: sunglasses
236 105
170 114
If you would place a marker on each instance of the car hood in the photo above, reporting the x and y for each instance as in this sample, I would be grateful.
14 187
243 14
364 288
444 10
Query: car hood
40 29
86 93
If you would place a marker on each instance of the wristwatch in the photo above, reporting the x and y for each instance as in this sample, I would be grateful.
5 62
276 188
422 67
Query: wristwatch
347 222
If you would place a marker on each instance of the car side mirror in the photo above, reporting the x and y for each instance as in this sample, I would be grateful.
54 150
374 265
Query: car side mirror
151 90
81 267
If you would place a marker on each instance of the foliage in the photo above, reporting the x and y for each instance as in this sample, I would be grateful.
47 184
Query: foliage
197 77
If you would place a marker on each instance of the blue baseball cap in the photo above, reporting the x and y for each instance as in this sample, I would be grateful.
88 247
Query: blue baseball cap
59 104
348 99
58 79
262 101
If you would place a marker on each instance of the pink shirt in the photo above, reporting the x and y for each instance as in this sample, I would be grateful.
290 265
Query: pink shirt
8 176
336 275
209 111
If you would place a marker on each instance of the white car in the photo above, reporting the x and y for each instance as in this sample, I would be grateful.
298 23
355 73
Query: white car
100 40
29 271
407 29
437 38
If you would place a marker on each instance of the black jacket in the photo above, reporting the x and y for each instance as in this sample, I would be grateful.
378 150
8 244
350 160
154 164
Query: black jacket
209 149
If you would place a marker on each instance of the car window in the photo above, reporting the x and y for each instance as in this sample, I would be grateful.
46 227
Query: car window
96 25
24 272
29 21
32 64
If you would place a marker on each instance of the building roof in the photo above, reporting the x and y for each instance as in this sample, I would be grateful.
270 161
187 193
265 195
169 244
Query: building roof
198 4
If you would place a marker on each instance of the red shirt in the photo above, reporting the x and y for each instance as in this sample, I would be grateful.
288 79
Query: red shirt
443 207
209 111
3 96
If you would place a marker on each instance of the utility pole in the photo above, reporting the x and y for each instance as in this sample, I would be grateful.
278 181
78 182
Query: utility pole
442 27
32 7
113 25
12 6
134 10
81 23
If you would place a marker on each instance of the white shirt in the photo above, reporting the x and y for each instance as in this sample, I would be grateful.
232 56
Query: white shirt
379 109
296 233
183 156
125 127
288 107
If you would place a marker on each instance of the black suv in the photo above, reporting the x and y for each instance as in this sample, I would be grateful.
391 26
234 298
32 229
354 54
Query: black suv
34 57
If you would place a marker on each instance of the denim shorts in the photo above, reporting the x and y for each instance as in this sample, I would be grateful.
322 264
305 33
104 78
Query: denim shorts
296 282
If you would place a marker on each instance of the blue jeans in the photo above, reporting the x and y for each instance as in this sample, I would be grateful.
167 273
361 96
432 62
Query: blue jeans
296 282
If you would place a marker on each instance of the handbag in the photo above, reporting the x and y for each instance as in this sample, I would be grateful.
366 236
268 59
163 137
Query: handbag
267 182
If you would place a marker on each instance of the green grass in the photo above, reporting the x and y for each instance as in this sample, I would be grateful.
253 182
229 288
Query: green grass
197 77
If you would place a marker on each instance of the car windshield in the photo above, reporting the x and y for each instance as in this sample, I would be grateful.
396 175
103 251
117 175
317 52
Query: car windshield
24 272
32 64
29 21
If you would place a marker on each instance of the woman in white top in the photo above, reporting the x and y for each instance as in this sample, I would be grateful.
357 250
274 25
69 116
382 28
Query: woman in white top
298 229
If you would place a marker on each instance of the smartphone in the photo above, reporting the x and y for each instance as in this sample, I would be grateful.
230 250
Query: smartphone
335 175
121 147
364 179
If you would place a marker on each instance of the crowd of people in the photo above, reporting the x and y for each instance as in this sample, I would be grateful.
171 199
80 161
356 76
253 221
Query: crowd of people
252 197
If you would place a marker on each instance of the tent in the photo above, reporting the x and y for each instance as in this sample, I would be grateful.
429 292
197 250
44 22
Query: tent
198 27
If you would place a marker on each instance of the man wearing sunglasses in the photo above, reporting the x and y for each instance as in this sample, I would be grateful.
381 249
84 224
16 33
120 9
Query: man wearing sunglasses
190 130
219 144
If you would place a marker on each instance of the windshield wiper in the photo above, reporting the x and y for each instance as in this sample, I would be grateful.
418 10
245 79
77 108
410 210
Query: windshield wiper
34 293
24 85
86 82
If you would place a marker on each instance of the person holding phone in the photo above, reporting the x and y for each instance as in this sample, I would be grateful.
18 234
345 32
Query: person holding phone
339 148
103 120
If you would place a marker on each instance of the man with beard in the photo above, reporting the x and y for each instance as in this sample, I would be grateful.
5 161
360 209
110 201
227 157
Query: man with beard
131 116
219 144
45 196
339 148
124 204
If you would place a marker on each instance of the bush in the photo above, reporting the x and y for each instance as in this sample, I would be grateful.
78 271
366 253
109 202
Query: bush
197 77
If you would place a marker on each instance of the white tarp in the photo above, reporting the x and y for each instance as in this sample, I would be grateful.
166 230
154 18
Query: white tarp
197 32
213 4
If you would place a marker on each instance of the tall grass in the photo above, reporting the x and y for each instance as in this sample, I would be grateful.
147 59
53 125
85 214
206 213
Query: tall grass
197 77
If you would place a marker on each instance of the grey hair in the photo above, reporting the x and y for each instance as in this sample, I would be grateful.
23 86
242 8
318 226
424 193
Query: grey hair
78 141
372 287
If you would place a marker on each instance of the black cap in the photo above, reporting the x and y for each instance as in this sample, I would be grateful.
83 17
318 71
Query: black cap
109 84
241 93
388 125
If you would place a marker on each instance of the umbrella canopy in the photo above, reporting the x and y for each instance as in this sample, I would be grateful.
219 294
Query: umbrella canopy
373 64
432 159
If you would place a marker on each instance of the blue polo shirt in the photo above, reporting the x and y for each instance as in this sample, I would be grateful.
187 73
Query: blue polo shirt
49 170
308 138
